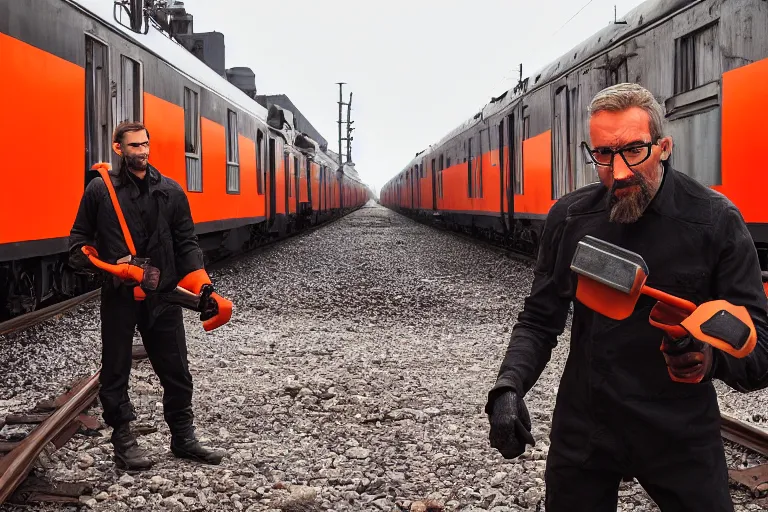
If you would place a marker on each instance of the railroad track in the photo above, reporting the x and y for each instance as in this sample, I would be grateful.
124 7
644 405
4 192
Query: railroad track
58 420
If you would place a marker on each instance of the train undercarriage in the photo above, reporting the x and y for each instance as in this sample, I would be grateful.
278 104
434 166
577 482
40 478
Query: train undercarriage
34 283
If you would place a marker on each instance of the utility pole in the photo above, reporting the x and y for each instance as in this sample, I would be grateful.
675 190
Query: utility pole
340 171
349 130
341 103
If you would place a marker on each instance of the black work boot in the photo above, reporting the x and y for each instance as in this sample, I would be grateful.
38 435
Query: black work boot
186 446
128 455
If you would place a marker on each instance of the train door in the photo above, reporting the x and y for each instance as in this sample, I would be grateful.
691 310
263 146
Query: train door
287 181
420 172
434 185
514 180
295 185
260 167
320 190
309 181
271 199
97 133
502 172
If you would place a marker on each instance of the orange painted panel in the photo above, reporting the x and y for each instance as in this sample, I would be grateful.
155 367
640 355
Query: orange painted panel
537 176
279 178
165 122
745 139
214 203
37 92
314 170
248 203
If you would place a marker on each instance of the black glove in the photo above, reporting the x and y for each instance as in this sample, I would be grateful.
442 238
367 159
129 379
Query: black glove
510 425
80 262
688 359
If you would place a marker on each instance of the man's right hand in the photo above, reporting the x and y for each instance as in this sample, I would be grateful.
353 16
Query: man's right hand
510 425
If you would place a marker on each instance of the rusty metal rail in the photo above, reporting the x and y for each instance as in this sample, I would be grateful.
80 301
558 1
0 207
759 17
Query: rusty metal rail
56 428
27 320
744 434
16 465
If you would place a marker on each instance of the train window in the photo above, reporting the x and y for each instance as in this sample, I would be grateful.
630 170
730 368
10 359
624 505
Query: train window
479 166
130 90
441 176
192 140
98 136
697 58
618 73
294 174
260 162
287 178
421 170
562 176
233 157
469 167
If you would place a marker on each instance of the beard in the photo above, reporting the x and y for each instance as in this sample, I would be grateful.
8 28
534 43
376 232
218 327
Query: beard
628 208
136 163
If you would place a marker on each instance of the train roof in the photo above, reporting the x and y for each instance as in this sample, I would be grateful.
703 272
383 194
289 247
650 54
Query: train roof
638 19
179 58
175 56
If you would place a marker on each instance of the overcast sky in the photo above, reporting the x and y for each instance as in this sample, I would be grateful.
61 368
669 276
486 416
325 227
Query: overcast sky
416 68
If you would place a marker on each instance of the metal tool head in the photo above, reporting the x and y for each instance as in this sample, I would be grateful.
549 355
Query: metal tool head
610 278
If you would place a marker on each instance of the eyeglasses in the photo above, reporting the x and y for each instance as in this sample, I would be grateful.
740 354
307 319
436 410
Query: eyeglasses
138 144
632 154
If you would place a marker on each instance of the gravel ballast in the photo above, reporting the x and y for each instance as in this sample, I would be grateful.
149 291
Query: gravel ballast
352 376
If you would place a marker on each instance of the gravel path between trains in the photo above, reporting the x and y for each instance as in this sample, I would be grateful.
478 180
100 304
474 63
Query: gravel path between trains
352 377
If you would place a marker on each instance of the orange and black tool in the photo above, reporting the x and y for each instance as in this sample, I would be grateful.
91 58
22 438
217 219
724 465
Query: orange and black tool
103 169
135 270
611 280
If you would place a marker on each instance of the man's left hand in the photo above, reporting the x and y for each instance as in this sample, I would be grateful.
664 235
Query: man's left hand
688 359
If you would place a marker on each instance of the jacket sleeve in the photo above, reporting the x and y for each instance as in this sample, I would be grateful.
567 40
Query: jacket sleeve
737 279
84 229
542 319
187 252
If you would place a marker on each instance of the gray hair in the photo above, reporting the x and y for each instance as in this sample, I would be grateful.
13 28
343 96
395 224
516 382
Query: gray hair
623 96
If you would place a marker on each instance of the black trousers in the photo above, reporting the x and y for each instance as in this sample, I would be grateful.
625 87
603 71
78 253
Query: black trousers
689 481
165 342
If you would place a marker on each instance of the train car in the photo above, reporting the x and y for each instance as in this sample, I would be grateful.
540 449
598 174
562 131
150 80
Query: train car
74 69
706 61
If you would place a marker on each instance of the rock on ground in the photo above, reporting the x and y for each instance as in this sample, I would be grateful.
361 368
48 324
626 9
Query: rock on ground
352 376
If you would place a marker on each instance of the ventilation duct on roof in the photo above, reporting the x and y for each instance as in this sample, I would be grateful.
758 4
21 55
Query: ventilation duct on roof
304 143
278 117
244 79
208 47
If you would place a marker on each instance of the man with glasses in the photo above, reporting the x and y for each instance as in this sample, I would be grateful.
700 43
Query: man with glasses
140 214
632 402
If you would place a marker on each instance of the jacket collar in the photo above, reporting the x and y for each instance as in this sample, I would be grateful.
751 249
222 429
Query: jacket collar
153 175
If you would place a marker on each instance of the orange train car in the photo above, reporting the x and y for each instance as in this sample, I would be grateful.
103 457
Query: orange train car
249 173
706 61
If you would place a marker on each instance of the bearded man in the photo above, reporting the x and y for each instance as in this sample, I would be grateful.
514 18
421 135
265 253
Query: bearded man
632 402
142 217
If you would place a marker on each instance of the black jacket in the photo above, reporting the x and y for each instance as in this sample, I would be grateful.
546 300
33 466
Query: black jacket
158 216
615 389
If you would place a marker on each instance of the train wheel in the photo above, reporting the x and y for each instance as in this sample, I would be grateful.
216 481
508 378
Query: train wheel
23 296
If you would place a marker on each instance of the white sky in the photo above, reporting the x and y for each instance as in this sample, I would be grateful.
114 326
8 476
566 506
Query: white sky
416 68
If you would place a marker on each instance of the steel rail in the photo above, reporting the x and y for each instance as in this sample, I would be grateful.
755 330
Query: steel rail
17 464
35 317
744 434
